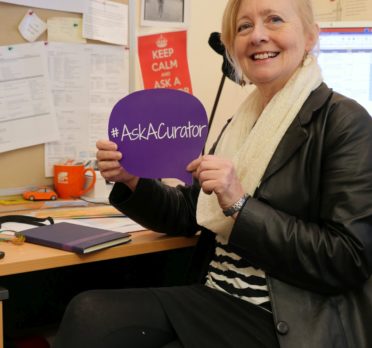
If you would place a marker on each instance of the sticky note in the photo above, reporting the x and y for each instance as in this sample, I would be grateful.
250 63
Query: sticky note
31 26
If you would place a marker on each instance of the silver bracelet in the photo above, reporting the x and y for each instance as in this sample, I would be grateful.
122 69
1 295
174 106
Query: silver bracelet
236 206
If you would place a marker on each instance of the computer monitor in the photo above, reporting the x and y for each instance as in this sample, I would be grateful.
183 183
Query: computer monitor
345 57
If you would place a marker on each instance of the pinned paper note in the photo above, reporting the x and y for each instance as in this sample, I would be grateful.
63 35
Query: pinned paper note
31 26
65 29
106 21
158 132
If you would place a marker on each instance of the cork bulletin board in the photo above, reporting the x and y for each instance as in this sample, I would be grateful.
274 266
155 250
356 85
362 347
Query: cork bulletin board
25 167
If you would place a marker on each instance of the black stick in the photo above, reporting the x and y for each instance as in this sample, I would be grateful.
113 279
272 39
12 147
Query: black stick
215 107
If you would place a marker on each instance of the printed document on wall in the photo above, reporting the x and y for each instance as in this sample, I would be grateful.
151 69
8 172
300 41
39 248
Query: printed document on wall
327 10
106 21
356 10
65 5
342 10
27 115
86 80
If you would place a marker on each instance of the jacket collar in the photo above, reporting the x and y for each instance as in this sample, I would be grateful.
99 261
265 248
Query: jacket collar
315 101
296 134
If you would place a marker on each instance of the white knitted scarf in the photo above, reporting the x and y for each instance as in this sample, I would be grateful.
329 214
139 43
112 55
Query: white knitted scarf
251 148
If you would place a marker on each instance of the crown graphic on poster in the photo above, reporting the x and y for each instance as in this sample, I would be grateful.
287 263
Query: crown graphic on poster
161 42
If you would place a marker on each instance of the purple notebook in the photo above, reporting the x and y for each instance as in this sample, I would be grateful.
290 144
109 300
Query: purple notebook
75 238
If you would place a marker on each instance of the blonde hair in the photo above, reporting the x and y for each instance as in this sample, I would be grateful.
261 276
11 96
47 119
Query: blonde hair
228 33
304 9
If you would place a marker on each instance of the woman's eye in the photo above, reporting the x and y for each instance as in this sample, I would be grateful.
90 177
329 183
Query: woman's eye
244 26
276 19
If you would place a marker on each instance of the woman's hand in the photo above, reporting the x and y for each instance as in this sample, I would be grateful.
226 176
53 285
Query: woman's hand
217 175
108 164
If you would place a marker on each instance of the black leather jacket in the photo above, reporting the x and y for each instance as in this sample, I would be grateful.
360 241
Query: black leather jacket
309 225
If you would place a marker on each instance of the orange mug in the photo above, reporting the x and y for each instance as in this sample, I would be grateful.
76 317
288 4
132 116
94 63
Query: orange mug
69 180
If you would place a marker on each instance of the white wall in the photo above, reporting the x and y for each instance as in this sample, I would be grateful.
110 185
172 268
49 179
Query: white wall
204 63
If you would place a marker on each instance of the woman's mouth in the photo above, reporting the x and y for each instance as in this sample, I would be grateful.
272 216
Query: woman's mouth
264 55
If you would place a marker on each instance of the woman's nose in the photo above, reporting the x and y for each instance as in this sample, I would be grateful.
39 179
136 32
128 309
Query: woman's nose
259 34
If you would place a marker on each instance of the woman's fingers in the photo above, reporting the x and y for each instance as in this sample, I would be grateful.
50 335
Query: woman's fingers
104 144
108 164
107 151
218 175
108 160
193 166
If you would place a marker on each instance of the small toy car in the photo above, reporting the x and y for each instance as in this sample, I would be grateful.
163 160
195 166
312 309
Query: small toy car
40 194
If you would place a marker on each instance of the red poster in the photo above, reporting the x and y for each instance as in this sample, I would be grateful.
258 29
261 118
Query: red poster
163 60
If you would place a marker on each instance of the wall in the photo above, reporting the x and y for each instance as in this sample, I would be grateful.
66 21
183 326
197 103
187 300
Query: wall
204 63
25 167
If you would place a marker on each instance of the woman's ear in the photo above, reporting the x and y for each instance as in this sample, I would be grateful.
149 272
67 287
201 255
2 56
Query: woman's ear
312 38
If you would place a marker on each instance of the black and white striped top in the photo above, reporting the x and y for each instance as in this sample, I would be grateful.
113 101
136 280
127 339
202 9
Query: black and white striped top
230 273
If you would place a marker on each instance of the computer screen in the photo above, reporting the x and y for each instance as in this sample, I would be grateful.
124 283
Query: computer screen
345 57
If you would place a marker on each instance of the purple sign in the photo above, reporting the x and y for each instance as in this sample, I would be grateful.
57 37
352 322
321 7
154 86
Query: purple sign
158 132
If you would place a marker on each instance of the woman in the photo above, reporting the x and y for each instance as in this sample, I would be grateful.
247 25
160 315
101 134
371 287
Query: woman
284 204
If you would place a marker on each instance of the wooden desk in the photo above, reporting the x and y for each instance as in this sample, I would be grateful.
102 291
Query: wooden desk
30 257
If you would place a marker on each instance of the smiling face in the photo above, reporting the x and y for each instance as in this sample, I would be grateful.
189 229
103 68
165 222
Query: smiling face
270 42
